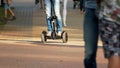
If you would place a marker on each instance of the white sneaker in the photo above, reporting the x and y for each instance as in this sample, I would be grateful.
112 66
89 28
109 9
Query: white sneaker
49 33
59 33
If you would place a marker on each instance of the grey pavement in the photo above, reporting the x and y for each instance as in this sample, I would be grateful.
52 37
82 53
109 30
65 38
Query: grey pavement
31 22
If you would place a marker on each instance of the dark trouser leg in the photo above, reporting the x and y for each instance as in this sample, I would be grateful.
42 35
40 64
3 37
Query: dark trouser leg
90 38
2 4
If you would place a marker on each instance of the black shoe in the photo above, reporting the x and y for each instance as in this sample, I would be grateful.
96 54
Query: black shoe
14 18
5 18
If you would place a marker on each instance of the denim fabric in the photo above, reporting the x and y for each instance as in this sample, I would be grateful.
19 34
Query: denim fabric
90 37
90 4
51 5
6 6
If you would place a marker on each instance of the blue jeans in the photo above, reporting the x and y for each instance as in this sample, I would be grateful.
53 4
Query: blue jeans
90 37
51 5
6 6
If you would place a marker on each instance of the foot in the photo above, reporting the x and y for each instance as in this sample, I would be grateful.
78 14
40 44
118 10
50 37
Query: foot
64 24
59 33
14 18
5 18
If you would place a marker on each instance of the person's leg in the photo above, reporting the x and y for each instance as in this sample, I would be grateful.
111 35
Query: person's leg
110 36
5 10
64 12
74 4
57 13
2 4
114 62
5 13
48 11
41 4
90 38
11 12
78 4
82 5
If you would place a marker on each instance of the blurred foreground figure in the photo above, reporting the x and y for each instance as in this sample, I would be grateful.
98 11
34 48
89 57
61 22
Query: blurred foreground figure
109 25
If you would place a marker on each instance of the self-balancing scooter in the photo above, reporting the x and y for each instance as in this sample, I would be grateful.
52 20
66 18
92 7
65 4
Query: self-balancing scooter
64 35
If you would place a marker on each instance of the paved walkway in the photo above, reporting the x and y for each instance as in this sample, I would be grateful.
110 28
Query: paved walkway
31 22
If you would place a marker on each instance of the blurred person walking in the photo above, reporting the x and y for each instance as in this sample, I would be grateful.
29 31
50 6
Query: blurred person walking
8 8
109 25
